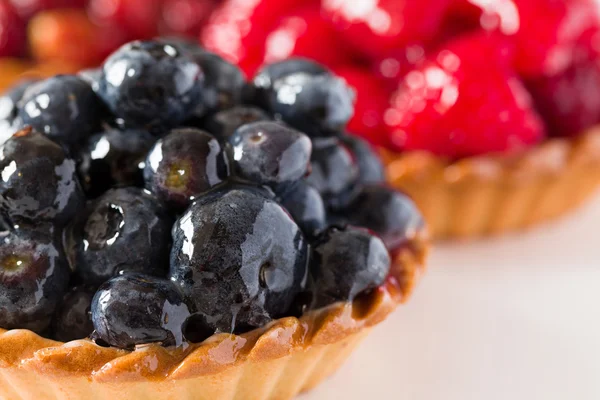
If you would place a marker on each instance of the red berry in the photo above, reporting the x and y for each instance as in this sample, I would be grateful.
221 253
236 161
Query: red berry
570 101
28 8
237 29
139 18
395 65
185 17
464 100
305 34
378 26
12 31
370 105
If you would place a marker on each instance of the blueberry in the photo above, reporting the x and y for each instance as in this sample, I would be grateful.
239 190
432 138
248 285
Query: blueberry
269 153
39 182
73 319
334 172
395 217
138 309
114 158
224 123
34 275
370 167
224 84
347 262
63 107
319 105
240 258
305 205
125 230
92 76
9 109
263 82
184 164
151 85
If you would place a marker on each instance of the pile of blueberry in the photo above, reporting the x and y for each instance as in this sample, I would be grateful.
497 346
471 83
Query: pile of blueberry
162 198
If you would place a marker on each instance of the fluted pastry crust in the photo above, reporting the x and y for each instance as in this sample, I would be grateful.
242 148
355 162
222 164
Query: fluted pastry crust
277 362
492 194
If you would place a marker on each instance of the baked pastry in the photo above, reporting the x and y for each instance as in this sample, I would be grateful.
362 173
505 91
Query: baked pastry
144 257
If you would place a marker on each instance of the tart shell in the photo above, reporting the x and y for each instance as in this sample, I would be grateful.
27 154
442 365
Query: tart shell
493 194
277 362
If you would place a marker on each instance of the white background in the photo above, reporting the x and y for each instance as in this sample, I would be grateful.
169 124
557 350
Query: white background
515 317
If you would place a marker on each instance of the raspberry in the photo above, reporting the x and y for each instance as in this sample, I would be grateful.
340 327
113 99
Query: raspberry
185 17
378 26
139 18
447 106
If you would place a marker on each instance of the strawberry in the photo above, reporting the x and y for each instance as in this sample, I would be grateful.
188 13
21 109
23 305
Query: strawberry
305 34
376 27
12 31
185 17
370 104
138 18
463 100
238 28
570 100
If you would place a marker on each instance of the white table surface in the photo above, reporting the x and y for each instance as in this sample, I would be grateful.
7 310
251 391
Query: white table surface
516 317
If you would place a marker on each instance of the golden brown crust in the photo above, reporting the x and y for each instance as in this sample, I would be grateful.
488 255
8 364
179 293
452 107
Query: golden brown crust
279 361
496 193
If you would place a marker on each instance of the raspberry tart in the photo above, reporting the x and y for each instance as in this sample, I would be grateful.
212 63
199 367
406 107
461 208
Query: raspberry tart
485 111
162 239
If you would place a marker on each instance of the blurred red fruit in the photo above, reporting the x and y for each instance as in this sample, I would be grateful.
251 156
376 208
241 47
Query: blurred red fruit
185 17
12 31
138 18
28 8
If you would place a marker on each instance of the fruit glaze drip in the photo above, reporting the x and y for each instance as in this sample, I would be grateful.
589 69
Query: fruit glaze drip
163 198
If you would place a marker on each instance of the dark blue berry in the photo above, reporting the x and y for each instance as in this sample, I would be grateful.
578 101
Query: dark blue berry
263 81
389 213
34 275
151 85
184 164
269 153
370 167
64 107
319 105
305 205
240 258
114 158
138 309
92 76
125 230
347 262
9 109
334 172
73 319
224 123
39 182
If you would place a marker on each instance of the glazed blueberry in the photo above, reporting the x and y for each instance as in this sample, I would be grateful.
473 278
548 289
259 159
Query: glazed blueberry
9 109
125 230
305 205
151 85
347 262
184 164
64 107
73 319
264 80
240 258
334 172
269 153
39 182
137 309
319 105
224 123
114 158
34 275
370 167
92 76
395 217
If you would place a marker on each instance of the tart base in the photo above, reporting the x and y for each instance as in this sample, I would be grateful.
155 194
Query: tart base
277 362
492 194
